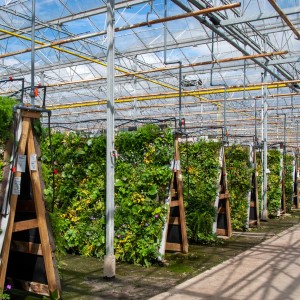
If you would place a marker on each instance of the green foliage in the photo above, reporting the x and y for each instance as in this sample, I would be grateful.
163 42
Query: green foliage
288 180
142 179
200 167
78 220
6 117
274 191
239 174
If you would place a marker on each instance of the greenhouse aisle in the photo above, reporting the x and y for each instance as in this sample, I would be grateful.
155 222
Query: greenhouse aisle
268 271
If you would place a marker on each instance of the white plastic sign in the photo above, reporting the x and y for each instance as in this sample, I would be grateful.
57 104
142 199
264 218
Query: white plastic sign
21 164
33 163
16 190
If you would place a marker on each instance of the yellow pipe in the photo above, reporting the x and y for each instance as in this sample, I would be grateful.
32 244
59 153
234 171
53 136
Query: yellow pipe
167 96
87 58
195 94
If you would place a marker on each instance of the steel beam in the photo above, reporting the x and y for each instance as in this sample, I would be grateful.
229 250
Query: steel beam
74 17
258 17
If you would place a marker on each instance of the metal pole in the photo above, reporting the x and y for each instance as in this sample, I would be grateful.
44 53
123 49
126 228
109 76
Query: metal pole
264 215
225 117
173 62
297 141
109 259
32 52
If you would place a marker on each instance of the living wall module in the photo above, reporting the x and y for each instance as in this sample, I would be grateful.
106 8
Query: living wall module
200 168
274 191
142 179
239 175
287 182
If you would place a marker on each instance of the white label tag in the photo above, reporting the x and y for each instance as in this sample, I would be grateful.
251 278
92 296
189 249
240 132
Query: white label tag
21 164
177 165
33 164
16 190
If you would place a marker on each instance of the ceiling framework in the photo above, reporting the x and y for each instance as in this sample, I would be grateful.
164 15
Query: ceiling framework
223 47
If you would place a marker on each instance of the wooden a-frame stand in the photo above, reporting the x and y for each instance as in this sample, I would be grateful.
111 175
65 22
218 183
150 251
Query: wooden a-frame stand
223 213
254 219
176 237
25 260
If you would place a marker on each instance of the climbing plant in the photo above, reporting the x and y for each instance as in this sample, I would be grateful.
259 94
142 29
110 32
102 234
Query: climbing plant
200 167
239 172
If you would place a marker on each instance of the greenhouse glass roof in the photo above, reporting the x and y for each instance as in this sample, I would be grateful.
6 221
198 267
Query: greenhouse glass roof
221 58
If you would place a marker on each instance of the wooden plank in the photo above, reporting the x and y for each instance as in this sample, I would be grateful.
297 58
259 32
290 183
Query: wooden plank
29 286
25 225
221 210
222 232
173 193
180 201
224 196
173 247
13 206
174 220
31 114
53 281
252 222
228 218
174 203
26 247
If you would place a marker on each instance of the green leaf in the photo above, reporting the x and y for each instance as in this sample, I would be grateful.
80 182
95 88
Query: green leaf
152 190
119 182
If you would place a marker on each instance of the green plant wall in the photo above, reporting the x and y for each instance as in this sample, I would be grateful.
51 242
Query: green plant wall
289 180
200 168
6 119
143 176
274 191
239 174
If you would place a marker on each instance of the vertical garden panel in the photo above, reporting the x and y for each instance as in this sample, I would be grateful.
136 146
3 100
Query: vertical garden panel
143 177
200 168
239 172
274 181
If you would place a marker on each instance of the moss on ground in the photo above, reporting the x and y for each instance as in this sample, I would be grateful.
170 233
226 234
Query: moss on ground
82 277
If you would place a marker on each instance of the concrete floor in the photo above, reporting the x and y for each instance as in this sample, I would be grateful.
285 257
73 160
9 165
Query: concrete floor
268 271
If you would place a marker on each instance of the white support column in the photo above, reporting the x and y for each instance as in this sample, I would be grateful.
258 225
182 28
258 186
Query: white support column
109 259
264 215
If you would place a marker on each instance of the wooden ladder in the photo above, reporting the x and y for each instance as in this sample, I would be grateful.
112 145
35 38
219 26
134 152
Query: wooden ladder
27 259
223 213
176 237
254 205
